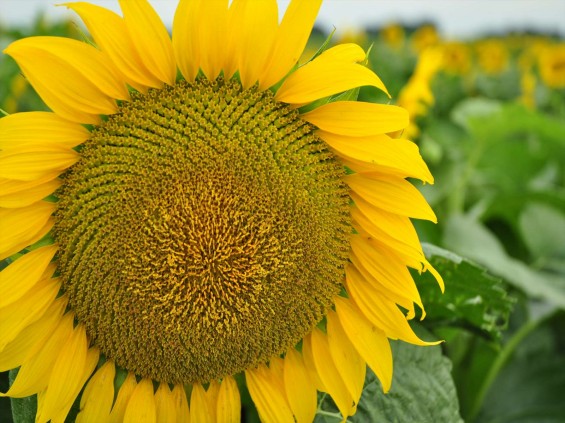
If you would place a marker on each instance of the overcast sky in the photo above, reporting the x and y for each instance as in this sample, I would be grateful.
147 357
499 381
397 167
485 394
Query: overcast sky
455 18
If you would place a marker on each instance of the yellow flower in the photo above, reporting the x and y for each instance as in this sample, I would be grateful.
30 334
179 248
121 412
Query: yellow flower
417 96
201 225
492 56
528 84
424 37
551 63
456 58
393 35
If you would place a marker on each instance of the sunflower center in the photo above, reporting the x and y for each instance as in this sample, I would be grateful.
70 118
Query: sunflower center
203 231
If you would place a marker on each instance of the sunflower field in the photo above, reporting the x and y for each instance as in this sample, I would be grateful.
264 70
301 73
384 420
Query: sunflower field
477 337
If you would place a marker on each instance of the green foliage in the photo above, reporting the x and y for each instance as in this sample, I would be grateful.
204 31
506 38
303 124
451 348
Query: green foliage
500 197
473 300
529 389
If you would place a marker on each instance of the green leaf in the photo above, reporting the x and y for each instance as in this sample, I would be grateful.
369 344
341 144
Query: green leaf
470 238
529 388
23 409
422 391
543 231
473 299
474 108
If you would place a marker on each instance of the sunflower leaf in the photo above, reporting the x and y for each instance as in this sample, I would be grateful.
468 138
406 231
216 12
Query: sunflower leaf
473 299
467 236
23 409
422 391
543 229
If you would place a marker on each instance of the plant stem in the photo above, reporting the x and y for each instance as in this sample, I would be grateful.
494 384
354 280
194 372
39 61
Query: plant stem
501 360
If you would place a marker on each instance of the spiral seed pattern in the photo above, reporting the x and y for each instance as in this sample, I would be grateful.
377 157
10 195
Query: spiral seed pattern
203 231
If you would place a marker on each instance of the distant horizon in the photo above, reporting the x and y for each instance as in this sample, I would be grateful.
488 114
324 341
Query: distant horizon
453 18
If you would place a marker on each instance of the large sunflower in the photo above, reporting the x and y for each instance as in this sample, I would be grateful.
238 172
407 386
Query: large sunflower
171 232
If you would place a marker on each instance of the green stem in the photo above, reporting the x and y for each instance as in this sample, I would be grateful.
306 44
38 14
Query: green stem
500 361
326 413
329 414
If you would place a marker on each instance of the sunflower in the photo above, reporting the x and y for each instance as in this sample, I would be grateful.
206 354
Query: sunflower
200 213
493 56
551 64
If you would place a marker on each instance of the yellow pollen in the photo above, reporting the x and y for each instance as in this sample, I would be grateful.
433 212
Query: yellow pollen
204 230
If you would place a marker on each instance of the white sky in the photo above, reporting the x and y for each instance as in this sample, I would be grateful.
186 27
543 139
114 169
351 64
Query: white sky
455 18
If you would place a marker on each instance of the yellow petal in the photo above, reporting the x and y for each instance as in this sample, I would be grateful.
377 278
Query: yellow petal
390 193
266 393
68 91
28 309
256 25
371 342
229 402
403 293
141 405
397 227
299 388
350 365
35 192
20 226
124 394
199 412
34 373
290 39
90 62
165 404
358 166
181 404
390 273
98 396
185 38
65 379
348 53
40 128
325 76
10 187
92 357
8 250
357 119
20 276
151 39
212 36
380 311
276 372
308 356
330 375
428 267
398 154
32 338
410 250
212 398
112 37
34 162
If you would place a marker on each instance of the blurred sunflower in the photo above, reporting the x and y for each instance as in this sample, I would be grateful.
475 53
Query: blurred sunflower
393 35
425 36
417 95
493 56
457 58
168 231
551 63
